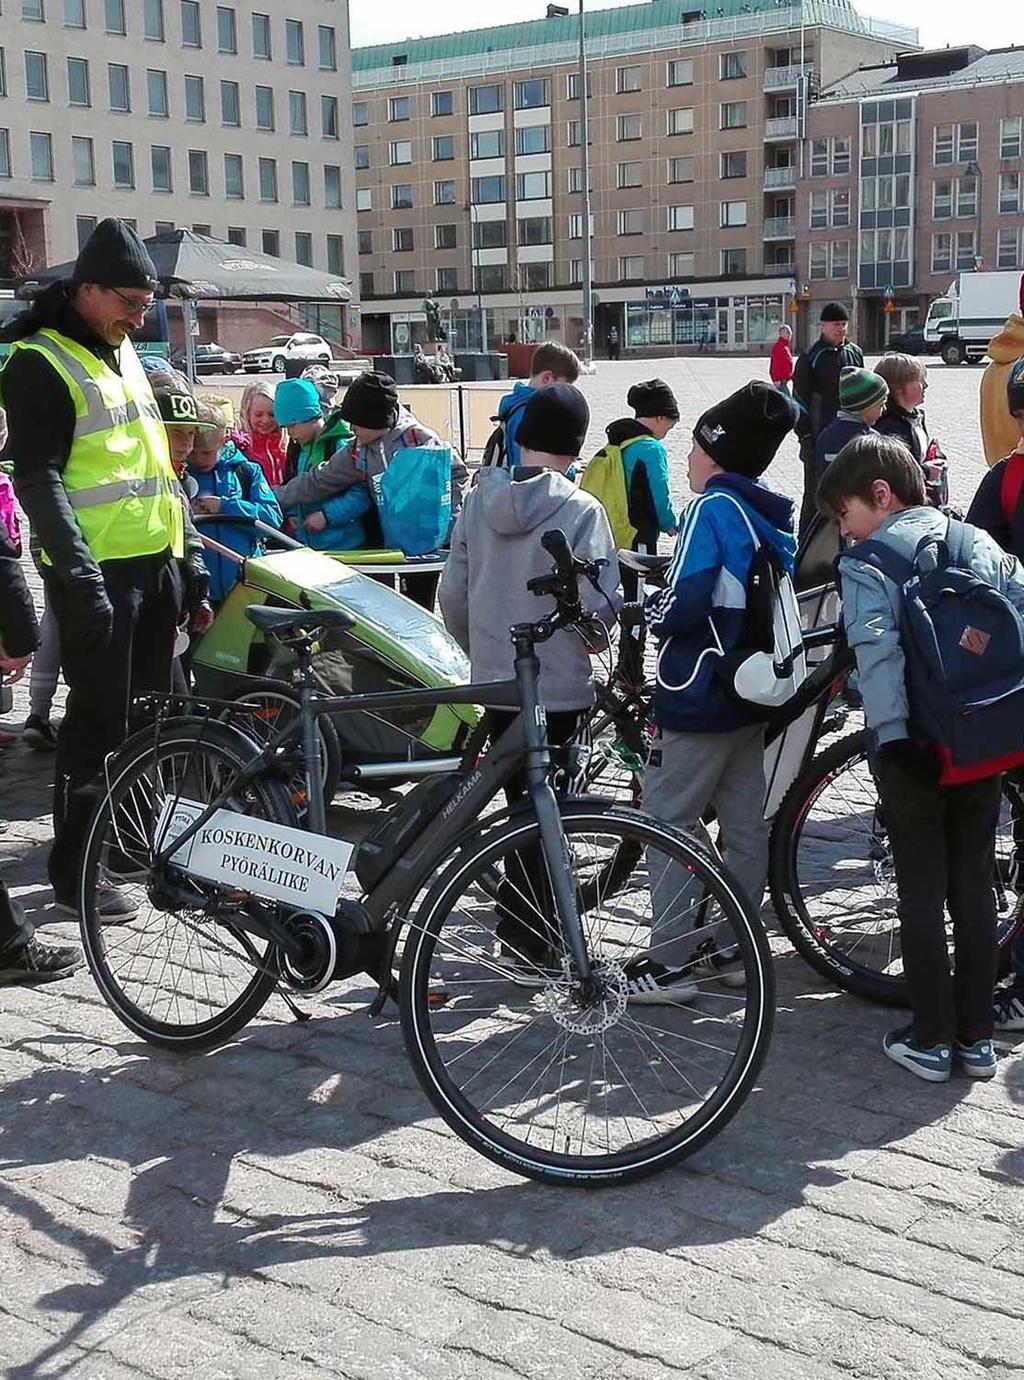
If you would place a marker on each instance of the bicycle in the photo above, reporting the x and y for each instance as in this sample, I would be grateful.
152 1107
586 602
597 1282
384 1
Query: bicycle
514 1002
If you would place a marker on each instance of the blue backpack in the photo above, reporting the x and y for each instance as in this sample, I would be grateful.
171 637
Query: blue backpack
963 643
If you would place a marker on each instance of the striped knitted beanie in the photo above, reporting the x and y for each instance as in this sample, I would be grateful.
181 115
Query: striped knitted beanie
859 389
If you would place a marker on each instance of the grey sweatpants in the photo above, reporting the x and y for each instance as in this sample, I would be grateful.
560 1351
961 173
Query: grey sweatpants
686 773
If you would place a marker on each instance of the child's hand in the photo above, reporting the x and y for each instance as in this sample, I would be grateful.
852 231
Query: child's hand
202 618
209 503
315 522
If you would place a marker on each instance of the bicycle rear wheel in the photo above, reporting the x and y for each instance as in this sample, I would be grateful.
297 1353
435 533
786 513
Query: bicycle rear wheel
179 974
572 1089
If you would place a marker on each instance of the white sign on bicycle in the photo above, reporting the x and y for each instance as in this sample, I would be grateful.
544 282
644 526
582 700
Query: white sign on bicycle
269 860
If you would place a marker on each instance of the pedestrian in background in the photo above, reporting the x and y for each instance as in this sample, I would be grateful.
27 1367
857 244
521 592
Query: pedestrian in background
780 363
816 393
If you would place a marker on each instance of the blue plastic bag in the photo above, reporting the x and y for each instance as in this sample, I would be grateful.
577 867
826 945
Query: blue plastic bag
414 499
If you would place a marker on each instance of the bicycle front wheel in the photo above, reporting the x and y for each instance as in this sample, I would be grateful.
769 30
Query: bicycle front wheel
572 1087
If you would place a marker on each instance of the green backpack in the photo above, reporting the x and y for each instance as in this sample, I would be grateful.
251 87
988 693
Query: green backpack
605 478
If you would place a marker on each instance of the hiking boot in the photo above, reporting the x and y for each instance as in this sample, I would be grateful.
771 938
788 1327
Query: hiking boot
112 906
1008 1008
977 1060
39 734
36 962
933 1063
654 984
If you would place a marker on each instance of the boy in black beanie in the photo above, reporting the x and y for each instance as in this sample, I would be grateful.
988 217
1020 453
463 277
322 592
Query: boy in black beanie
706 750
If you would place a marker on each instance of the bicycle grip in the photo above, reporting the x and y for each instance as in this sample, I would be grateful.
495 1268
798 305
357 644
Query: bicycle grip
556 544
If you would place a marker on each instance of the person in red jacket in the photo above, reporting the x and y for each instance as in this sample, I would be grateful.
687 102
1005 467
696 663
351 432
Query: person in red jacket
780 366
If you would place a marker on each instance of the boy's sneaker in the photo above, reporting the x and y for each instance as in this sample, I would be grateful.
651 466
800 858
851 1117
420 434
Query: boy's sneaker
978 1060
931 1062
726 968
524 948
1008 1008
653 984
112 906
40 734
36 962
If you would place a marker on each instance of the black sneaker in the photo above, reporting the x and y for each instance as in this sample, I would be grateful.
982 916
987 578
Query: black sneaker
523 947
112 906
37 962
653 984
39 734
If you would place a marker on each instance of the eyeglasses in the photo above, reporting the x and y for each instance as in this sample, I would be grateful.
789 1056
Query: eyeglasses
136 308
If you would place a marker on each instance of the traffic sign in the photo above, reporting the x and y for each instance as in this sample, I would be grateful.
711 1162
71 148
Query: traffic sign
889 293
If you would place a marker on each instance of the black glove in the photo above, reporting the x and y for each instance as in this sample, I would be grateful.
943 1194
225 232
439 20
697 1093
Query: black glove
91 621
916 760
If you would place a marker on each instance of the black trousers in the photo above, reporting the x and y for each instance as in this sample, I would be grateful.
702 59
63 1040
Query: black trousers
943 847
15 929
145 593
812 475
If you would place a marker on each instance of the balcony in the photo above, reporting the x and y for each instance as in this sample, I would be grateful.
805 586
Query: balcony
779 268
787 78
781 127
779 179
780 228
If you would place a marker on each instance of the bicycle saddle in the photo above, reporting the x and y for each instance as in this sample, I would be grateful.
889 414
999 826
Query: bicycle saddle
642 564
305 622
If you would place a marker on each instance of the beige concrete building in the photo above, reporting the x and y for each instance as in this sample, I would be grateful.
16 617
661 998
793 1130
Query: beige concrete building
915 172
231 119
469 181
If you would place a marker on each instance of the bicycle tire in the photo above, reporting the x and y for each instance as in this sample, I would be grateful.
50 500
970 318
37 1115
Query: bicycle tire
122 830
436 959
259 726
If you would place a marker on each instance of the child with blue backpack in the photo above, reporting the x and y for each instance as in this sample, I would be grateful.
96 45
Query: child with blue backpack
939 795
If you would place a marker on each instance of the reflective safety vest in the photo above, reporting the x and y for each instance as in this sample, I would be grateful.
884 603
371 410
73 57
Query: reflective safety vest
118 476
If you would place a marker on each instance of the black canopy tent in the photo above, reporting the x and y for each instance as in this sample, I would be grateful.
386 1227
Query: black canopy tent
198 268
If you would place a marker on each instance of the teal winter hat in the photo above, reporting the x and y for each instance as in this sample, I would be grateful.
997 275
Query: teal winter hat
296 400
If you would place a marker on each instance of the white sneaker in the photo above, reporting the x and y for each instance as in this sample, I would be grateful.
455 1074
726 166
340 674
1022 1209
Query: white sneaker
653 984
726 969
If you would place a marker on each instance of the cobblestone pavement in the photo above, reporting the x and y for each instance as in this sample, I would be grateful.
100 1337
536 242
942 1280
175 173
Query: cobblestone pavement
288 1207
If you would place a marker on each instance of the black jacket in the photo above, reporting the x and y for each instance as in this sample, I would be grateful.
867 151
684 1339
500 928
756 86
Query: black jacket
19 631
897 421
816 383
643 515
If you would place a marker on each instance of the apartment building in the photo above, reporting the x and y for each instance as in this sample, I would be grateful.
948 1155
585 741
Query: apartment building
469 174
230 119
914 173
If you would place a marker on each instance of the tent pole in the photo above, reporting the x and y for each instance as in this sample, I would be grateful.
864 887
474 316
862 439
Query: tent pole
188 309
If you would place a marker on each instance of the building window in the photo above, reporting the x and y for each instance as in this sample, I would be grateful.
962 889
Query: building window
1009 249
628 127
78 83
300 184
268 179
234 179
629 175
575 271
572 86
332 187
840 155
734 262
74 14
681 121
400 153
680 170
487 190
198 172
398 109
534 230
818 263
335 254
113 17
441 103
966 249
261 39
362 157
445 237
492 277
236 235
535 277
840 259
533 139
490 234
294 43
82 162
230 104
487 144
227 32
327 48
631 267
33 10
191 24
405 281
486 100
733 164
967 141
160 168
366 285
1010 137
402 239
733 115
819 158
195 99
123 160
298 123
679 72
574 134
364 199
84 226
119 87
942 148
628 79
840 198
681 265
818 210
732 213
156 94
731 66
533 186
5 153
37 78
680 217
446 280
41 156
966 196
532 94
360 113
304 248
401 196
329 127
443 147
444 192
265 107
1009 193
271 240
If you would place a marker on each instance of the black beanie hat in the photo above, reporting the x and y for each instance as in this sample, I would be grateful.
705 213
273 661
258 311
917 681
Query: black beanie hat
371 401
743 432
555 421
834 311
114 257
653 398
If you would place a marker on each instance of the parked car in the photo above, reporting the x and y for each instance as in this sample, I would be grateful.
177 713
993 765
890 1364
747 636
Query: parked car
912 342
210 359
273 358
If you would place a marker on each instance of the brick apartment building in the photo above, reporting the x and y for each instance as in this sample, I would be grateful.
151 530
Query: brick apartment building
914 173
469 180
227 118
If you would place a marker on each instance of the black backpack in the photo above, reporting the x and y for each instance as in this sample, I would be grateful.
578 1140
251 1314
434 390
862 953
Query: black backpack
496 451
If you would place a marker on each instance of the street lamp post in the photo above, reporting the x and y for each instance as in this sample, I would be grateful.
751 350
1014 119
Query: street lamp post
588 295
475 265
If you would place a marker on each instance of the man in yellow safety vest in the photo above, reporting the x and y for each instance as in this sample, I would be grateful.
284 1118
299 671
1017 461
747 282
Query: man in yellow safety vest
93 473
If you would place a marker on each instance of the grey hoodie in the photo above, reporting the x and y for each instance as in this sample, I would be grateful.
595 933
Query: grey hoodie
871 612
496 549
